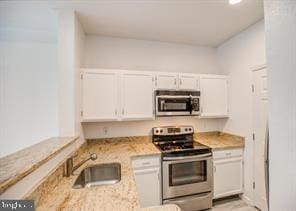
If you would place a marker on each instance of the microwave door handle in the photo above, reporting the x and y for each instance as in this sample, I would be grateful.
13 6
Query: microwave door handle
190 104
162 105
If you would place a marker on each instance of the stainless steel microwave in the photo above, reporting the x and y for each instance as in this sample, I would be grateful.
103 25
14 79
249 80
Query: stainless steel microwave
177 103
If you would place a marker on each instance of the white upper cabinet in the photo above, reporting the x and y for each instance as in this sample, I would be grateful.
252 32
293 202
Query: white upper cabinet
174 81
137 95
214 96
99 95
166 80
114 95
188 81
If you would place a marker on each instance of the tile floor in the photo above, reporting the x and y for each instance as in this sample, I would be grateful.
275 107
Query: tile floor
234 204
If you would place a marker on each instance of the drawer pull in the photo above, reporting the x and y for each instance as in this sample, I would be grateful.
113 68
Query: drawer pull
228 153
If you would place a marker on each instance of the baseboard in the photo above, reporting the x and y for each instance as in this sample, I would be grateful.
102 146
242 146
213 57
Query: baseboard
247 200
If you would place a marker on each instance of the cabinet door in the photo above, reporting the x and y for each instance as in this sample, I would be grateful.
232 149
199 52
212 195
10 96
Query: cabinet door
99 95
137 95
188 82
228 177
166 81
148 186
214 96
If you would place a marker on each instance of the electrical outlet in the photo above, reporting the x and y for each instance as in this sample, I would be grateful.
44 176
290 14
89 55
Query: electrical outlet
205 125
105 130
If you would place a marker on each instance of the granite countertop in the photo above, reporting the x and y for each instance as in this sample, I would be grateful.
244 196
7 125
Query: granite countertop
61 196
218 140
122 195
16 166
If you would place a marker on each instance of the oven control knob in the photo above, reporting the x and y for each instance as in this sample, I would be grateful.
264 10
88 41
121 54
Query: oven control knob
189 129
186 129
156 131
161 131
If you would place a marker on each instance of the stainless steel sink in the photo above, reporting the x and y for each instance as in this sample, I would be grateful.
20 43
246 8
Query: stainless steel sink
100 174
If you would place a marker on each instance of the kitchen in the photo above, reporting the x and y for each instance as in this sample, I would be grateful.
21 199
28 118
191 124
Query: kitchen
144 109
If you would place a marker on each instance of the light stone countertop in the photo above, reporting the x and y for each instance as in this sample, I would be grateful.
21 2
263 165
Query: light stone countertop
58 194
218 140
16 166
120 196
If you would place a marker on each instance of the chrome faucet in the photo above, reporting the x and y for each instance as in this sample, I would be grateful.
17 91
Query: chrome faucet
70 168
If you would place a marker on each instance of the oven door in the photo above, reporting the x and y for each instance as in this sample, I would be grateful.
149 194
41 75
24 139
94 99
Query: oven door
173 105
187 175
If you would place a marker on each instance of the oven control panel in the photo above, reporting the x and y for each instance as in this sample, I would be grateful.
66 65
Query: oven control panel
172 130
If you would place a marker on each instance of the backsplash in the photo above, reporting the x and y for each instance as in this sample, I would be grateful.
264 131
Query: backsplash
143 128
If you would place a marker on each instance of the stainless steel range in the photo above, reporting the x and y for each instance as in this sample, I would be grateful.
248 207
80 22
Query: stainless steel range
187 169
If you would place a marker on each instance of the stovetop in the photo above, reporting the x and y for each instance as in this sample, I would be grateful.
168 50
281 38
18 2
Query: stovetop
185 146
177 140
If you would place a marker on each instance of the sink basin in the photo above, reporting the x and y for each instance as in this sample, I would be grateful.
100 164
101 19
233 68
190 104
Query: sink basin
100 174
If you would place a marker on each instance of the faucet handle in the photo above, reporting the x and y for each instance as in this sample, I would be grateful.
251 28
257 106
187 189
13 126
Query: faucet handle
93 156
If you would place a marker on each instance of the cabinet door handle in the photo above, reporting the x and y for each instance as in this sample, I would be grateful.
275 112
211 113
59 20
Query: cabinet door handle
155 80
214 168
123 111
175 81
180 81
115 111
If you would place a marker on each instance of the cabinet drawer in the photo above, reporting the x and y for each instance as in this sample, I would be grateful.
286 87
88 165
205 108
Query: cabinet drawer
228 153
145 161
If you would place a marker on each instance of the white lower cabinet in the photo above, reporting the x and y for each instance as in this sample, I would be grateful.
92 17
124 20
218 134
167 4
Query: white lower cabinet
228 172
147 176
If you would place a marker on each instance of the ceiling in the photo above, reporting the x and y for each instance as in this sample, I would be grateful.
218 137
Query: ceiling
197 22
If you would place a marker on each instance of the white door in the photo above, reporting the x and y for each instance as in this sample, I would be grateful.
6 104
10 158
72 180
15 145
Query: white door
214 96
228 177
99 95
188 82
165 80
260 102
137 95
148 186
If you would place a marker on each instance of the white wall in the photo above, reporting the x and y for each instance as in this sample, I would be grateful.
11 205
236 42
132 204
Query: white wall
143 128
66 34
237 57
79 38
70 47
28 88
108 52
40 81
281 63
120 53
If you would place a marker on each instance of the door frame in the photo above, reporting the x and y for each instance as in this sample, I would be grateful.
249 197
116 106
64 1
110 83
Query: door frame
254 69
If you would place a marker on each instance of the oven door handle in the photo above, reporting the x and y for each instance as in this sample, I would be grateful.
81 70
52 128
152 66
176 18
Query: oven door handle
187 157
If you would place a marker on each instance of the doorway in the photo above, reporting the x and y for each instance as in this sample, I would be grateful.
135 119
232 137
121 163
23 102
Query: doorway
260 127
